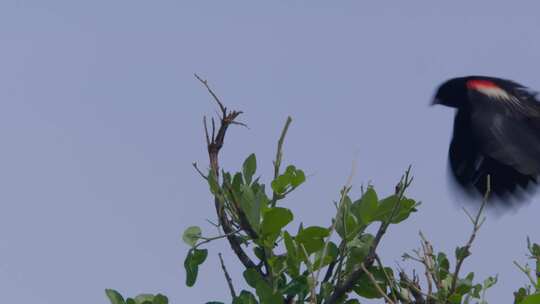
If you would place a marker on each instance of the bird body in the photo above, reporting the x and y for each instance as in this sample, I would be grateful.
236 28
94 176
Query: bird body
496 132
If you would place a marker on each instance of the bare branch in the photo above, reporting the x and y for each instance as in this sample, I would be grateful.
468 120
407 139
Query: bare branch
227 276
205 83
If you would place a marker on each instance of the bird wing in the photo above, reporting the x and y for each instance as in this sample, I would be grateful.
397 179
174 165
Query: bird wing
506 127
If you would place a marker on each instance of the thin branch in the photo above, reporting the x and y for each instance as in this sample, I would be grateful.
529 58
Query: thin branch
227 276
390 282
206 132
279 156
208 240
279 153
205 83
374 282
198 170
428 259
477 223
527 271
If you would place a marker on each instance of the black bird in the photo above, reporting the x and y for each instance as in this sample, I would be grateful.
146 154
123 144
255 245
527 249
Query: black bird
496 132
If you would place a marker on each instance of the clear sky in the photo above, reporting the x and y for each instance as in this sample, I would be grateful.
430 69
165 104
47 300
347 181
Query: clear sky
100 120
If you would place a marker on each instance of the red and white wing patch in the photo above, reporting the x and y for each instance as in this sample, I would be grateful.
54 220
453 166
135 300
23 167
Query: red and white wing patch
494 92
489 89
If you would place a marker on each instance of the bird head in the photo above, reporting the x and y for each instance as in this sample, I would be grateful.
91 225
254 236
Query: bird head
452 93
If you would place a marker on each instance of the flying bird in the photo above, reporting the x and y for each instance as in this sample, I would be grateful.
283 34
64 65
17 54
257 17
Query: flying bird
496 133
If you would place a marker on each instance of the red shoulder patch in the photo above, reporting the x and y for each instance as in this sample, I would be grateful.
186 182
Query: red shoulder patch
481 84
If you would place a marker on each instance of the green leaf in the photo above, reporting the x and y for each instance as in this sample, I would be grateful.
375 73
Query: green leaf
490 281
366 288
252 277
215 302
194 258
297 286
535 250
297 178
279 185
291 178
366 207
114 296
192 235
214 185
277 264
293 261
267 295
249 167
455 298
251 205
386 209
312 238
274 219
347 225
462 252
520 295
237 184
443 265
144 298
130 301
160 299
331 255
245 297
465 285
259 253
532 299
358 250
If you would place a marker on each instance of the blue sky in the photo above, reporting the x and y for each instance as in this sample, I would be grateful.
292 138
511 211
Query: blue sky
101 119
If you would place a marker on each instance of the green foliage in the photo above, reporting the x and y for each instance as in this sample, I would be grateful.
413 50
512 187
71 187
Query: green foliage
530 294
115 298
192 235
333 263
288 181
194 259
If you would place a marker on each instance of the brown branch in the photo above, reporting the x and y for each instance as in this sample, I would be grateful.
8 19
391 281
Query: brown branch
428 259
227 276
214 145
